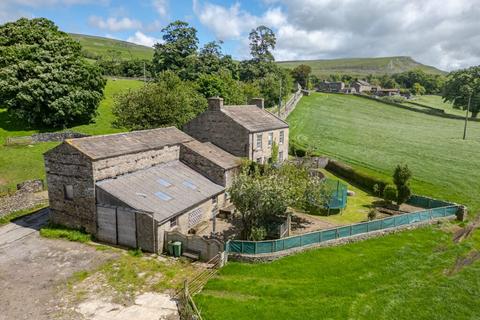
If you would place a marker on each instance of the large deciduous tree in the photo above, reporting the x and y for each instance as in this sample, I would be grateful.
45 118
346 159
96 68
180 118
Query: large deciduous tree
43 78
300 73
169 101
262 41
462 86
180 42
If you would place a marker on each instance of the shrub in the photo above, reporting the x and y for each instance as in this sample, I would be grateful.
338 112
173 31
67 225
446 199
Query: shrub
372 214
359 178
400 177
258 234
390 193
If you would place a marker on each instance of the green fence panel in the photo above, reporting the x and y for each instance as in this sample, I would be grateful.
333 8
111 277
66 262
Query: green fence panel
375 225
359 228
310 238
388 223
235 246
424 215
401 220
248 247
265 246
293 242
328 235
343 231
279 245
451 210
438 212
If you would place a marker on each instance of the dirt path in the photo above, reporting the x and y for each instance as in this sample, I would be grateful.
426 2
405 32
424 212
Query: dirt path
32 268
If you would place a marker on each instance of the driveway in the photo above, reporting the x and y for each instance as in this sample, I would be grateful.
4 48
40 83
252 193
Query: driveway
33 270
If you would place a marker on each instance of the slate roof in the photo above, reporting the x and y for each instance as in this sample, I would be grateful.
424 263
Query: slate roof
106 146
253 118
213 153
363 83
166 190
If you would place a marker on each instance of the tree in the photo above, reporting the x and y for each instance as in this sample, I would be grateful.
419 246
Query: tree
262 41
300 73
180 41
167 102
418 89
462 86
390 193
223 85
401 176
43 78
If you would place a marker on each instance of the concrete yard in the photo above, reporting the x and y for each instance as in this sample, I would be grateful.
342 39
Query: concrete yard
33 269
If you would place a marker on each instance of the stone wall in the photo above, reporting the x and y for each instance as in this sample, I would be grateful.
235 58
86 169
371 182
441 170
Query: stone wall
208 248
203 165
64 165
56 136
113 167
214 126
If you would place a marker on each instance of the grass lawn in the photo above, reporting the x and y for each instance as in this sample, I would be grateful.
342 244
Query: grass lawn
374 137
436 102
399 276
19 163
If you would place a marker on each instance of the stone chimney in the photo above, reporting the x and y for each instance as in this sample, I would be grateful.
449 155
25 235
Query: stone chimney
215 103
259 102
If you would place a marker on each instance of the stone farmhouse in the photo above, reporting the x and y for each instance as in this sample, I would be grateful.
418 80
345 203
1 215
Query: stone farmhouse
361 86
326 86
129 188
244 131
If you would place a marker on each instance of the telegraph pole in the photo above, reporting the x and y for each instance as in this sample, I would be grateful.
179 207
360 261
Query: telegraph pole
144 74
466 117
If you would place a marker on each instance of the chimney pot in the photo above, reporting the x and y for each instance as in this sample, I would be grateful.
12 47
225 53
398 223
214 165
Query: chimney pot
259 102
215 103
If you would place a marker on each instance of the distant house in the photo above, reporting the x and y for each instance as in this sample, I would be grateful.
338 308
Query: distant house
326 86
349 90
381 92
246 131
361 86
130 188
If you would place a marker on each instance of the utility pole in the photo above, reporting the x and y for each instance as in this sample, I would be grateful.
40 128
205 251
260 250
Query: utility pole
280 99
144 74
466 117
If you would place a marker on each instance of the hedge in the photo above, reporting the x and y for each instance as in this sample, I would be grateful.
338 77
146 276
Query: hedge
355 177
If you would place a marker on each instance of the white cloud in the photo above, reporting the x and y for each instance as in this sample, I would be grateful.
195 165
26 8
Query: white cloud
443 34
161 6
115 24
143 39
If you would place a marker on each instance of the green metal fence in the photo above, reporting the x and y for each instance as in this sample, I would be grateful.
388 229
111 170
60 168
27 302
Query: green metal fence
339 194
270 246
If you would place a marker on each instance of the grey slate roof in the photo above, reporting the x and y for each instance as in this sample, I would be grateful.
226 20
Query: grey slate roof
111 145
253 118
363 83
139 189
213 153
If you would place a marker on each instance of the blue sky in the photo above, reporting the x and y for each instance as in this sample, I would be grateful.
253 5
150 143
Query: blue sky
445 35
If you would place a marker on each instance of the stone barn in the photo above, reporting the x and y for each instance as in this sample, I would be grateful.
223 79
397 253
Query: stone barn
246 131
130 188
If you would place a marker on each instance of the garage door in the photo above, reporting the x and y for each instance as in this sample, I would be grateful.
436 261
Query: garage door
126 229
107 224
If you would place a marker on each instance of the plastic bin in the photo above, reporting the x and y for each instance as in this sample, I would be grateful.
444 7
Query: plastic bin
170 248
177 248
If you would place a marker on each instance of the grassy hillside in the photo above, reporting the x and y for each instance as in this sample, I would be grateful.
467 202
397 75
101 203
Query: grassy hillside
435 101
99 47
19 163
375 137
362 66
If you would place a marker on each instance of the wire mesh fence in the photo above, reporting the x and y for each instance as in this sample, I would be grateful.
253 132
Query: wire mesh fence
271 246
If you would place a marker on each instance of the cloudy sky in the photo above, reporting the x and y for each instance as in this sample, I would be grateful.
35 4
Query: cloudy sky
442 33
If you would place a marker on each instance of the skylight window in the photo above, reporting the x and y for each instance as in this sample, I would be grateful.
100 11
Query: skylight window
189 184
164 182
163 196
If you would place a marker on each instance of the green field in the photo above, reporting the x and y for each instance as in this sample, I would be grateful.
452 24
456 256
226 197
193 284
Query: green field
437 102
401 276
374 137
19 163
100 46
362 66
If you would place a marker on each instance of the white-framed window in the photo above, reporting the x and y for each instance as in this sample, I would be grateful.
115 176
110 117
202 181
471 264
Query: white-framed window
270 139
280 156
282 137
259 141
173 222
68 192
